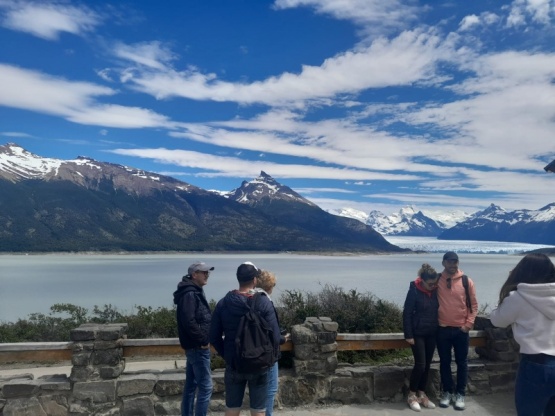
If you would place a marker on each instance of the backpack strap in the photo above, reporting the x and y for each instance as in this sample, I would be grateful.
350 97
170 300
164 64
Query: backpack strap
466 291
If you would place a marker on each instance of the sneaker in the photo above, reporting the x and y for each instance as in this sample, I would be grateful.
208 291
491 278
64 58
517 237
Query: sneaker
445 400
412 400
459 402
425 401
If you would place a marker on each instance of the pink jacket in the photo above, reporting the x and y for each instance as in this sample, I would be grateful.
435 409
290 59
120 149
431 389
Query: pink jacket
452 301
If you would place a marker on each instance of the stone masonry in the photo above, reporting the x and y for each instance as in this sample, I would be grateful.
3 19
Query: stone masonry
98 385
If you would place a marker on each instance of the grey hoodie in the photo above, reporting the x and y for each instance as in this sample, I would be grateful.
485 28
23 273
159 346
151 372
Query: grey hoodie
531 311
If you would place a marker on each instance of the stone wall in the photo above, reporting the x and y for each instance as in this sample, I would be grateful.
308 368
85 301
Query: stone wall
98 386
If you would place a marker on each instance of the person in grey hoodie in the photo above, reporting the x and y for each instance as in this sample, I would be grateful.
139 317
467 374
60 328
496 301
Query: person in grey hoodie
527 303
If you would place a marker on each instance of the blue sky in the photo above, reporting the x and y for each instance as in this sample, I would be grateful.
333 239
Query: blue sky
368 104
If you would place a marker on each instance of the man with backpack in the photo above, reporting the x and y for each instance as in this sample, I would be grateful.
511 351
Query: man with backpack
193 324
247 321
457 311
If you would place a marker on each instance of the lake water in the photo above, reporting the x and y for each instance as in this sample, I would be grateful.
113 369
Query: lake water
35 282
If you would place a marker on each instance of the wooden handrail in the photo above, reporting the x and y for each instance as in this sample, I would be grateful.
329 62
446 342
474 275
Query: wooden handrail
61 351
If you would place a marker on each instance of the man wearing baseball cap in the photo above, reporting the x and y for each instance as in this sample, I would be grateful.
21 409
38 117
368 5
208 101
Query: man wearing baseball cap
457 310
193 324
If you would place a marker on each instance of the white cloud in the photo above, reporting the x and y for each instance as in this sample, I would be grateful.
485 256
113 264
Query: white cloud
323 190
373 16
47 20
404 60
223 166
153 55
15 134
74 101
469 21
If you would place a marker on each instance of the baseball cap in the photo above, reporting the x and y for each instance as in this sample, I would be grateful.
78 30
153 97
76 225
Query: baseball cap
247 271
450 255
199 267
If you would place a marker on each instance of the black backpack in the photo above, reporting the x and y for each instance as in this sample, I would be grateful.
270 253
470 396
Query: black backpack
254 343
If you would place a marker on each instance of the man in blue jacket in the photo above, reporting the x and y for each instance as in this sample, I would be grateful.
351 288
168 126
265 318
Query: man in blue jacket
225 321
193 324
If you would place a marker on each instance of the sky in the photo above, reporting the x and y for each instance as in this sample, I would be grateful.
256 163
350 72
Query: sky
366 104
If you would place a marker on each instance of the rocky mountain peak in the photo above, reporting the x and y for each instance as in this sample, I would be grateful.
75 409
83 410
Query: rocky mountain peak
265 187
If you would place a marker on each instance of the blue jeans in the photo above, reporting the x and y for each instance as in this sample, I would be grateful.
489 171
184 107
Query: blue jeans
197 376
235 384
273 377
449 338
535 385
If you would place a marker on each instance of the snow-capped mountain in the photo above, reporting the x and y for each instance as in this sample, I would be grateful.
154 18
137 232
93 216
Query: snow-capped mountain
86 205
278 201
497 224
407 222
17 164
265 187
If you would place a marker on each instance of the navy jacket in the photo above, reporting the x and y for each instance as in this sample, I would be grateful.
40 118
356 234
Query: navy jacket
193 314
420 313
225 321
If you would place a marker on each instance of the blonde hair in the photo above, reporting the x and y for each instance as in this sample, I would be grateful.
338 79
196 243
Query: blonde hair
266 280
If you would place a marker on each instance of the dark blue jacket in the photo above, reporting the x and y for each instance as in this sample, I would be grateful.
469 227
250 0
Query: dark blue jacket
225 321
193 314
420 313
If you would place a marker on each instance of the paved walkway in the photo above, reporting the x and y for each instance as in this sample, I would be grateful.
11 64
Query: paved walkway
486 405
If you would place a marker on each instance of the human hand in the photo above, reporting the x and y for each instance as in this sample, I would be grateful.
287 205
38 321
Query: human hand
410 341
287 337
465 329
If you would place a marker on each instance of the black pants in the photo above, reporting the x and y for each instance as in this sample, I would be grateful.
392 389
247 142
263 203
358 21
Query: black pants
423 352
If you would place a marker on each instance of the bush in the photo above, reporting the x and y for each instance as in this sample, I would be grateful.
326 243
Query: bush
147 322
355 312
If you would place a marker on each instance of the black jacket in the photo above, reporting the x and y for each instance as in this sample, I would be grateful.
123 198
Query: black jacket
420 313
193 314
225 321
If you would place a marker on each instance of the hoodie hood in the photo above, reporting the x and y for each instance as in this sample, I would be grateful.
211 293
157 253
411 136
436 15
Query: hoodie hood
236 303
186 285
540 296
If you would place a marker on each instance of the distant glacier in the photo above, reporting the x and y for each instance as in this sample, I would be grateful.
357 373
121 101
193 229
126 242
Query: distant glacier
432 244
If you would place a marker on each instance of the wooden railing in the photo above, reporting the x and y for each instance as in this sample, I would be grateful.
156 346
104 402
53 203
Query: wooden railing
61 351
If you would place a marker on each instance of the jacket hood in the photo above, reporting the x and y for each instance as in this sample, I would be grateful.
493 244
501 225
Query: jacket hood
186 285
540 296
235 303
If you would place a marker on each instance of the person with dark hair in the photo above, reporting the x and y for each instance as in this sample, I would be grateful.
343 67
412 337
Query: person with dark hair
420 328
457 311
225 322
266 282
527 303
193 324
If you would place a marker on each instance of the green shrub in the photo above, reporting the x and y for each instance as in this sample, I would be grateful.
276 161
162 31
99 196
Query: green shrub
355 312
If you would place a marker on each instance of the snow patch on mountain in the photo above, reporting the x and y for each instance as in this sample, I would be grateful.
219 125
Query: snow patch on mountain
407 221
265 186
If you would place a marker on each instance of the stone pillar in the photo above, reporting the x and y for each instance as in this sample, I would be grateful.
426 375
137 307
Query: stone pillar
315 347
97 361
500 343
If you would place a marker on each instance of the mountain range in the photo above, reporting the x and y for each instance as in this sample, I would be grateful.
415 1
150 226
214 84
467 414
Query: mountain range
491 224
496 224
408 221
86 205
